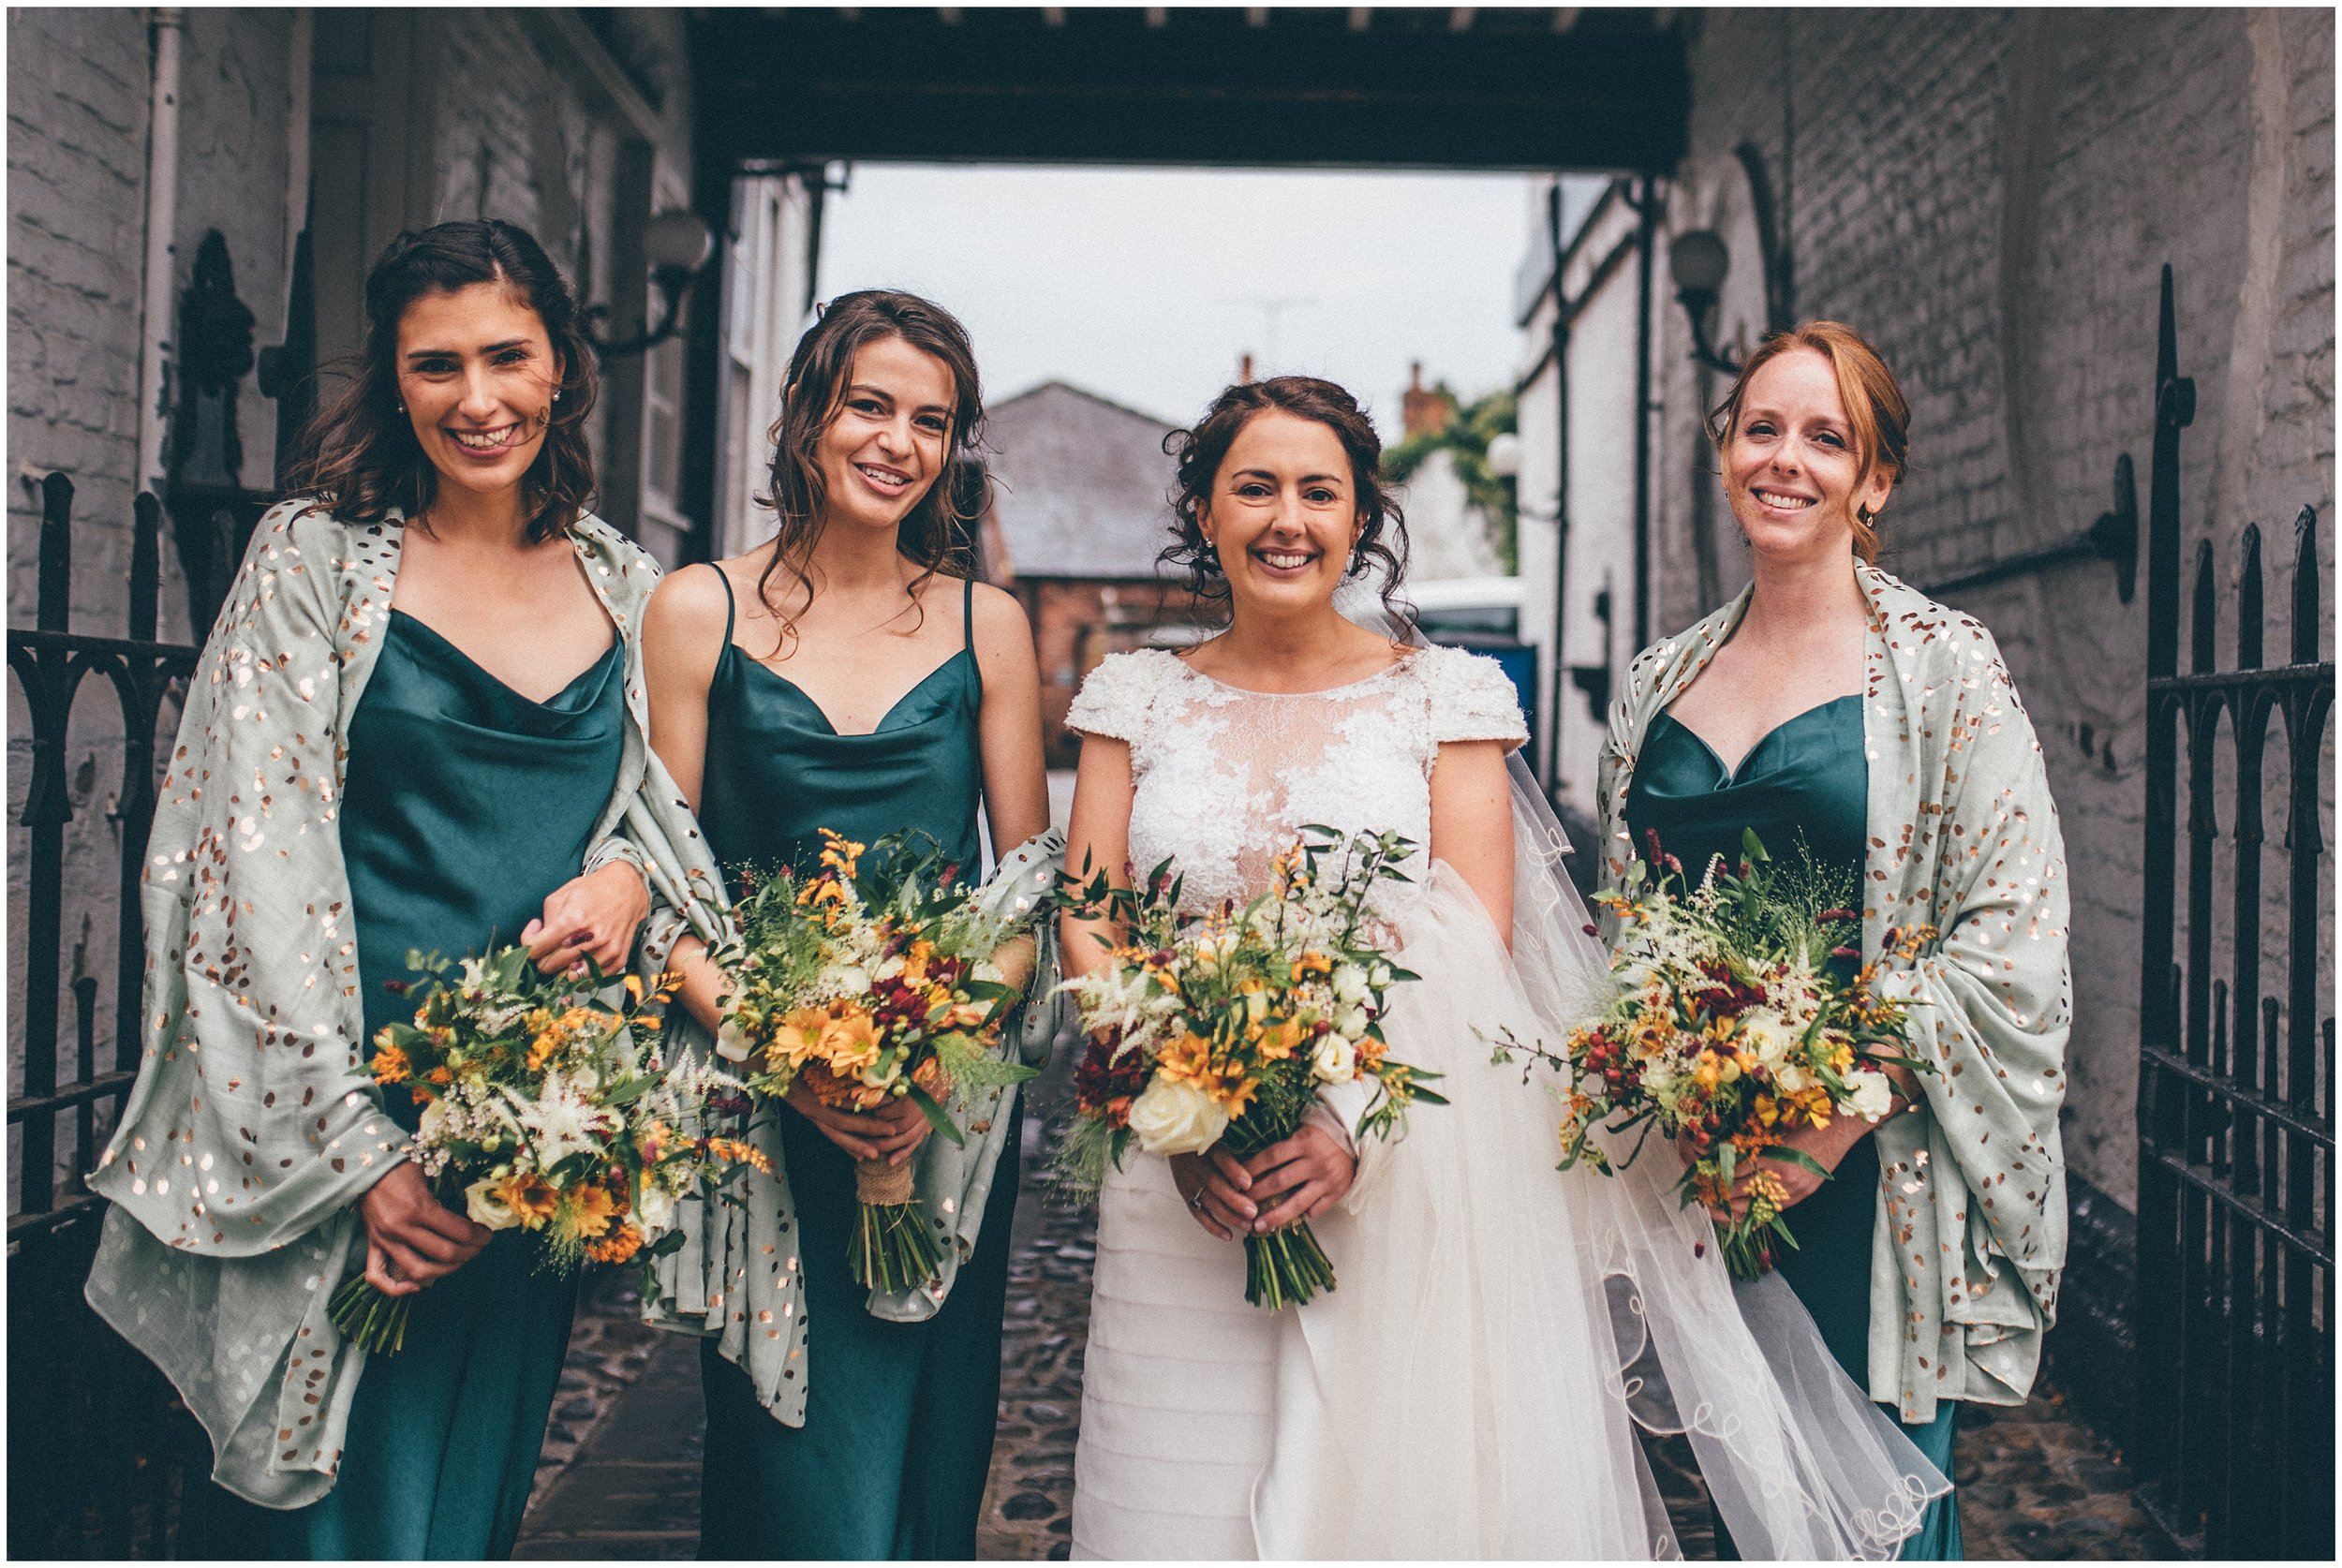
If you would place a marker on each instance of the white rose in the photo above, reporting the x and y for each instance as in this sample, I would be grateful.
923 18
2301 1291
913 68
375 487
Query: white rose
852 981
1769 1039
1792 1077
1349 983
891 967
1335 1060
1380 977
487 1209
656 1206
732 1043
1873 1095
1176 1118
1351 1023
434 1121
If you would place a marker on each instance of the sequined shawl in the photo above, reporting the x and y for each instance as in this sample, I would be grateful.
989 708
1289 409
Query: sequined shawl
1970 1233
252 1128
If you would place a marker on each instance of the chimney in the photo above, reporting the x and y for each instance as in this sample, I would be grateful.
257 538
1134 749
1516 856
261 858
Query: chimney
1423 412
1244 369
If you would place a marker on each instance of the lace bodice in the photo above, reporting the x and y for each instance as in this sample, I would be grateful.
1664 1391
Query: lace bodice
1225 778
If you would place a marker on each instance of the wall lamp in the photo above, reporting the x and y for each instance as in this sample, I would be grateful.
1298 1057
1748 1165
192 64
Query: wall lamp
676 244
1697 262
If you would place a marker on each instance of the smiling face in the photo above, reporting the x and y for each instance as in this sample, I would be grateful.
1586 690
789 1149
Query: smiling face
1791 469
478 374
891 437
1283 514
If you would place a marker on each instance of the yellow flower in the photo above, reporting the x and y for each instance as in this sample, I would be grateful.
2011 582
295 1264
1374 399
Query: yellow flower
591 1210
530 1196
1279 1040
1189 1060
734 1151
798 1040
617 1246
849 1043
840 854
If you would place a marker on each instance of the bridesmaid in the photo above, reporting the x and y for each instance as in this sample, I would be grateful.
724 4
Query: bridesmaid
1833 704
417 729
841 677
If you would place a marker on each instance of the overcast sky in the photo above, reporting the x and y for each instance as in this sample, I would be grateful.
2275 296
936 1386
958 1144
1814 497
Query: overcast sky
1146 285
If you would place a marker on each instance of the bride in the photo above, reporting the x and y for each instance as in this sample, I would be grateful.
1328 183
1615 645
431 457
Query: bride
1473 1385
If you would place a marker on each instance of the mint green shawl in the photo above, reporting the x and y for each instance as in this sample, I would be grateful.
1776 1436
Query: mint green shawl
253 1127
1970 1236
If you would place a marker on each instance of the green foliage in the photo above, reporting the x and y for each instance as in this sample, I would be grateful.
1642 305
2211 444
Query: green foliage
1466 439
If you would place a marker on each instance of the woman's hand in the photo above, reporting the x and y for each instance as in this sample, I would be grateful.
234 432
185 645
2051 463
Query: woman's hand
1825 1145
411 1238
1214 1183
1014 960
1300 1177
891 1133
593 916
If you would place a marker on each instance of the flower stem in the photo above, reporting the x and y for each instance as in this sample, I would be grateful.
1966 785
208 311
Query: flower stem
892 1251
1286 1268
366 1317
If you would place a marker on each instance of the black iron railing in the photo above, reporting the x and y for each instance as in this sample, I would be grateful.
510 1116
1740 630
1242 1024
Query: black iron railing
2236 1253
96 1437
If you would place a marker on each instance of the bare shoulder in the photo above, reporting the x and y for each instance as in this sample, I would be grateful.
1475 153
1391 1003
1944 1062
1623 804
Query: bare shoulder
684 617
1003 637
998 612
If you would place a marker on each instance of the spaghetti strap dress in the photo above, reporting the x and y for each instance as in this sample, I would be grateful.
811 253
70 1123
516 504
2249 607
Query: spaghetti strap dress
465 804
1807 781
897 1444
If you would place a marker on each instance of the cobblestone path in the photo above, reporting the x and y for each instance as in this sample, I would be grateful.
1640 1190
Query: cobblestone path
620 1478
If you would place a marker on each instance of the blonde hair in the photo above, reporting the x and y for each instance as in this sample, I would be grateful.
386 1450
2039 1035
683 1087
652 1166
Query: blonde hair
1875 406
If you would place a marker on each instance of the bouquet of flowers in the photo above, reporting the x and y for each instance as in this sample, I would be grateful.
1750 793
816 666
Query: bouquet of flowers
872 980
547 1107
1221 1029
1727 1030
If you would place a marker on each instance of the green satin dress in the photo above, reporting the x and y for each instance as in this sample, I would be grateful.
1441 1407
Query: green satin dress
465 804
1809 781
897 1444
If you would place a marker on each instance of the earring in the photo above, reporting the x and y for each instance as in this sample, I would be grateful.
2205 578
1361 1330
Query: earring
557 395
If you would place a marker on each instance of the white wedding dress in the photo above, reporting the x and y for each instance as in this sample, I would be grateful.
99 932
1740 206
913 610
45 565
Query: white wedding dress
1472 1387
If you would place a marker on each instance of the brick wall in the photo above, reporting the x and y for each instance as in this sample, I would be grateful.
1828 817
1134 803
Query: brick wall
77 91
77 102
1075 625
513 140
77 193
1989 197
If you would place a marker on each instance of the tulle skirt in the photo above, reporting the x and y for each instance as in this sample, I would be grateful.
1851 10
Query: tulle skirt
1472 1386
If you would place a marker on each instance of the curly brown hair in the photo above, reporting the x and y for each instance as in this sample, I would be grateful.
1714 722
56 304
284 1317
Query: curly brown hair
359 455
1199 453
819 373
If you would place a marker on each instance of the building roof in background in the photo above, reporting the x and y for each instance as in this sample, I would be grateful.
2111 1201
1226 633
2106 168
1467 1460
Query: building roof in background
1081 485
